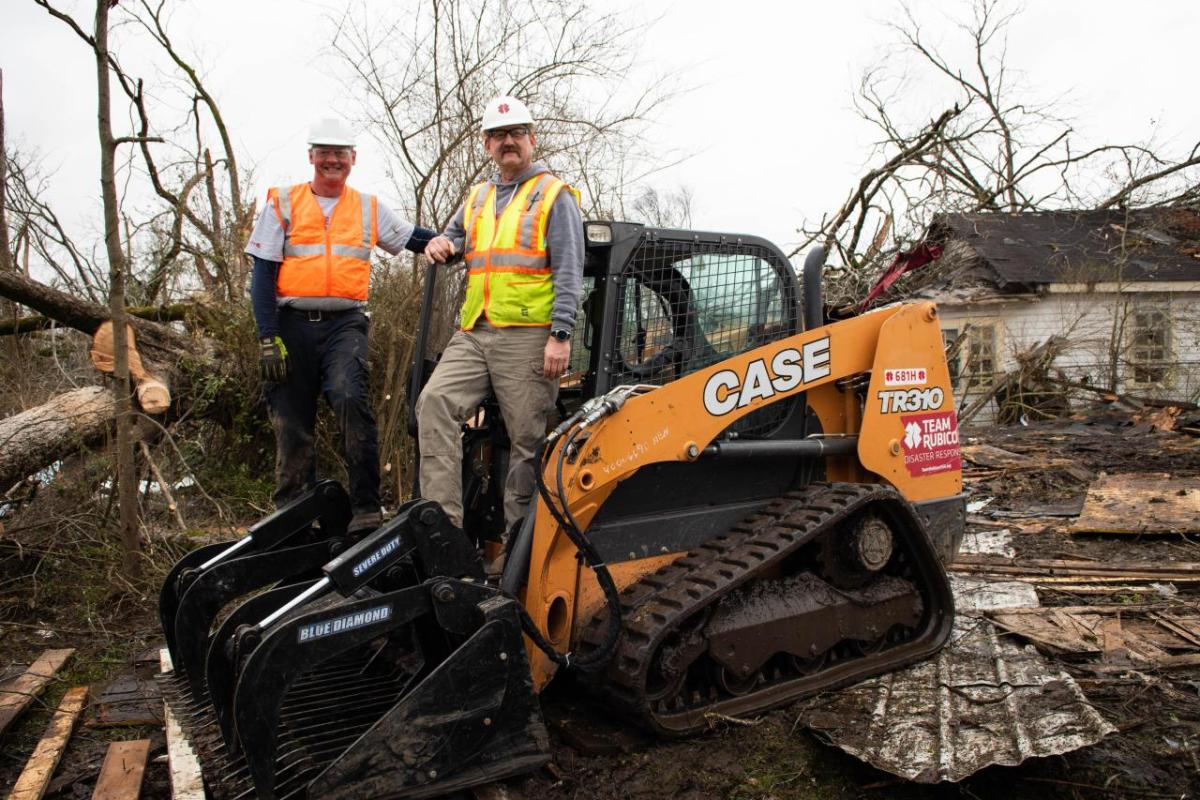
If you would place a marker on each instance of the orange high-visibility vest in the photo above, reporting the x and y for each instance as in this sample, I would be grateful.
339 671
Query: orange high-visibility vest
320 260
509 278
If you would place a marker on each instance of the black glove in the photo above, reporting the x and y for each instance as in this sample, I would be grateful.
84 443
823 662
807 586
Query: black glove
272 359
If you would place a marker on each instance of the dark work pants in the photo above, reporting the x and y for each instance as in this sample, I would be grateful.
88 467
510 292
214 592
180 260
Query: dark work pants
327 357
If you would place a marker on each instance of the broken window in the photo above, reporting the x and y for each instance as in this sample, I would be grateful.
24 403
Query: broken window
981 355
1150 347
954 362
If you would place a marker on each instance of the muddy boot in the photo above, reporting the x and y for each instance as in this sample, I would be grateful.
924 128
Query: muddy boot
495 568
363 522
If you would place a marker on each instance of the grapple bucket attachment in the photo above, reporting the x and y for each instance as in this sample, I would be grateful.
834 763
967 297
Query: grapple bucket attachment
394 673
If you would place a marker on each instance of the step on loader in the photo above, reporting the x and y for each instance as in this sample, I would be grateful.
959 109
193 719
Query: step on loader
740 504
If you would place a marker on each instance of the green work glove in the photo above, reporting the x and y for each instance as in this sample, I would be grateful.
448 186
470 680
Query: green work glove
272 359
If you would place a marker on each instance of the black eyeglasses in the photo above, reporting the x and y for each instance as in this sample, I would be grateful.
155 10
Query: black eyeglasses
515 133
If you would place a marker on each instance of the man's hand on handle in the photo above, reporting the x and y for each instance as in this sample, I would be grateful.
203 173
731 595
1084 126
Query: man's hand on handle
440 249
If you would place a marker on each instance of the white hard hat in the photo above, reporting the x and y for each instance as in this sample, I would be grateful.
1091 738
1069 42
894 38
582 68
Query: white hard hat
331 131
505 110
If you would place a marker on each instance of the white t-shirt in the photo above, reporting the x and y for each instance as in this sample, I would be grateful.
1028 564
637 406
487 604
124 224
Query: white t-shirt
266 241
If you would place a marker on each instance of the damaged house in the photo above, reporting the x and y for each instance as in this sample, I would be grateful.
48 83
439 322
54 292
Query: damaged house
1067 300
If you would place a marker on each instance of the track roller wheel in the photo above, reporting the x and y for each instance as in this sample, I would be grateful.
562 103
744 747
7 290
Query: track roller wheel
733 684
809 666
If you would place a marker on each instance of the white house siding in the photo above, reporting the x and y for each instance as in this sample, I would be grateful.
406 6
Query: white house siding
1091 322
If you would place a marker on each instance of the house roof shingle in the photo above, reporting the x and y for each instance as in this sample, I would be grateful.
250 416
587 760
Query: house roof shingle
1161 244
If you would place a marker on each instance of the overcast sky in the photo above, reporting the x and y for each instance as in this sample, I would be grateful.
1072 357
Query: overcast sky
767 125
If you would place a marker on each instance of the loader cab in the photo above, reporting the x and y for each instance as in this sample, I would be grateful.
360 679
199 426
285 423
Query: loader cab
659 304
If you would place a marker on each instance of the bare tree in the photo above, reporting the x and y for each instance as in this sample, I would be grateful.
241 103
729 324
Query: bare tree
126 476
663 209
995 146
420 81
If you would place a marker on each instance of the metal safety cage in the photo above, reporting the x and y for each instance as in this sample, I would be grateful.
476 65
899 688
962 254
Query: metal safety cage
686 301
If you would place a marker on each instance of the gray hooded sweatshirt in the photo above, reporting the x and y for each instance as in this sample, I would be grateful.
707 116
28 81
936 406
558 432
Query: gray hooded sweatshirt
564 244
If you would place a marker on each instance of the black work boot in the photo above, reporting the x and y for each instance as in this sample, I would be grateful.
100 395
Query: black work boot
363 522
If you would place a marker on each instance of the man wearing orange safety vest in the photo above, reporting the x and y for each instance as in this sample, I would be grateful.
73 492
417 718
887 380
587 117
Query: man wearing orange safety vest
521 234
312 262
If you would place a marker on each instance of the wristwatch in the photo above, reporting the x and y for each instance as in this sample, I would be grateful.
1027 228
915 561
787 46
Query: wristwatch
562 334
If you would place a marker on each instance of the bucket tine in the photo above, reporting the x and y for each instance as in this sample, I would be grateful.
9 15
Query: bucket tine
213 589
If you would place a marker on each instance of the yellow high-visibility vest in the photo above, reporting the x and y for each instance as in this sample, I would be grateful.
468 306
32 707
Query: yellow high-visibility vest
508 278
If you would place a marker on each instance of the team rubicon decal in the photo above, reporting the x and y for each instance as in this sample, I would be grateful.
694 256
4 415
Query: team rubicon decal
931 443
727 390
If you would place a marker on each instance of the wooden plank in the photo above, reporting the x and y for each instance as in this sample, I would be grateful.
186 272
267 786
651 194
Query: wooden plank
187 783
1183 628
1099 608
1044 633
34 779
1115 651
16 695
1140 503
122 770
1078 566
126 701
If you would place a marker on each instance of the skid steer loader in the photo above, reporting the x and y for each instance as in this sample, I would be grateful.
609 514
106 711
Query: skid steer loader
740 504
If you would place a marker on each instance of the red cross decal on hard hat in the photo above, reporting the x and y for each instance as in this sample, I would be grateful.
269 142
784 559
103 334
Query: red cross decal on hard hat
503 108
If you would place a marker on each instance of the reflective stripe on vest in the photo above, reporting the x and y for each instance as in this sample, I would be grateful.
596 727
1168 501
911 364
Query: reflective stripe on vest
322 260
508 272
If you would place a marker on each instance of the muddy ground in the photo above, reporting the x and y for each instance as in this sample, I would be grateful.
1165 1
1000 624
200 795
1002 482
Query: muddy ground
58 592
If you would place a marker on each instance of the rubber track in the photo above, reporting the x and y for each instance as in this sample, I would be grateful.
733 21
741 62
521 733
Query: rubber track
659 603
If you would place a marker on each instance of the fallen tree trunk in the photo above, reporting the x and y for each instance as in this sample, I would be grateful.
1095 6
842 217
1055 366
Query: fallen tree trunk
161 345
171 313
32 439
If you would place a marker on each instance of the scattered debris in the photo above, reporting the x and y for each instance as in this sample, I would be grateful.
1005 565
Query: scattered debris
1145 635
1141 503
988 542
591 736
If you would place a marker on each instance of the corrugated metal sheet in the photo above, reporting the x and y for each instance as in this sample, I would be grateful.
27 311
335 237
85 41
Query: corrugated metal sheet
983 700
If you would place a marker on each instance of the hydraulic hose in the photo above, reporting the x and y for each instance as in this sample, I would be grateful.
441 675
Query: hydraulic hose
566 520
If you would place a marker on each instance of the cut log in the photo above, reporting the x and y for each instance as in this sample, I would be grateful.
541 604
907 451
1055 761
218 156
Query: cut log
122 770
17 694
40 768
39 436
152 393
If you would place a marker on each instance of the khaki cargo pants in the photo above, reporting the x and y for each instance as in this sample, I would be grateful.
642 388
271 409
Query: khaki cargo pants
509 360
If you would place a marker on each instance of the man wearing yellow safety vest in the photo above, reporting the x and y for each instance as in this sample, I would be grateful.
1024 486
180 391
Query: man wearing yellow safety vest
312 262
521 234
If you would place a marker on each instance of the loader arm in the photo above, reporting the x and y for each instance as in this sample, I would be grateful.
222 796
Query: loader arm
676 422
